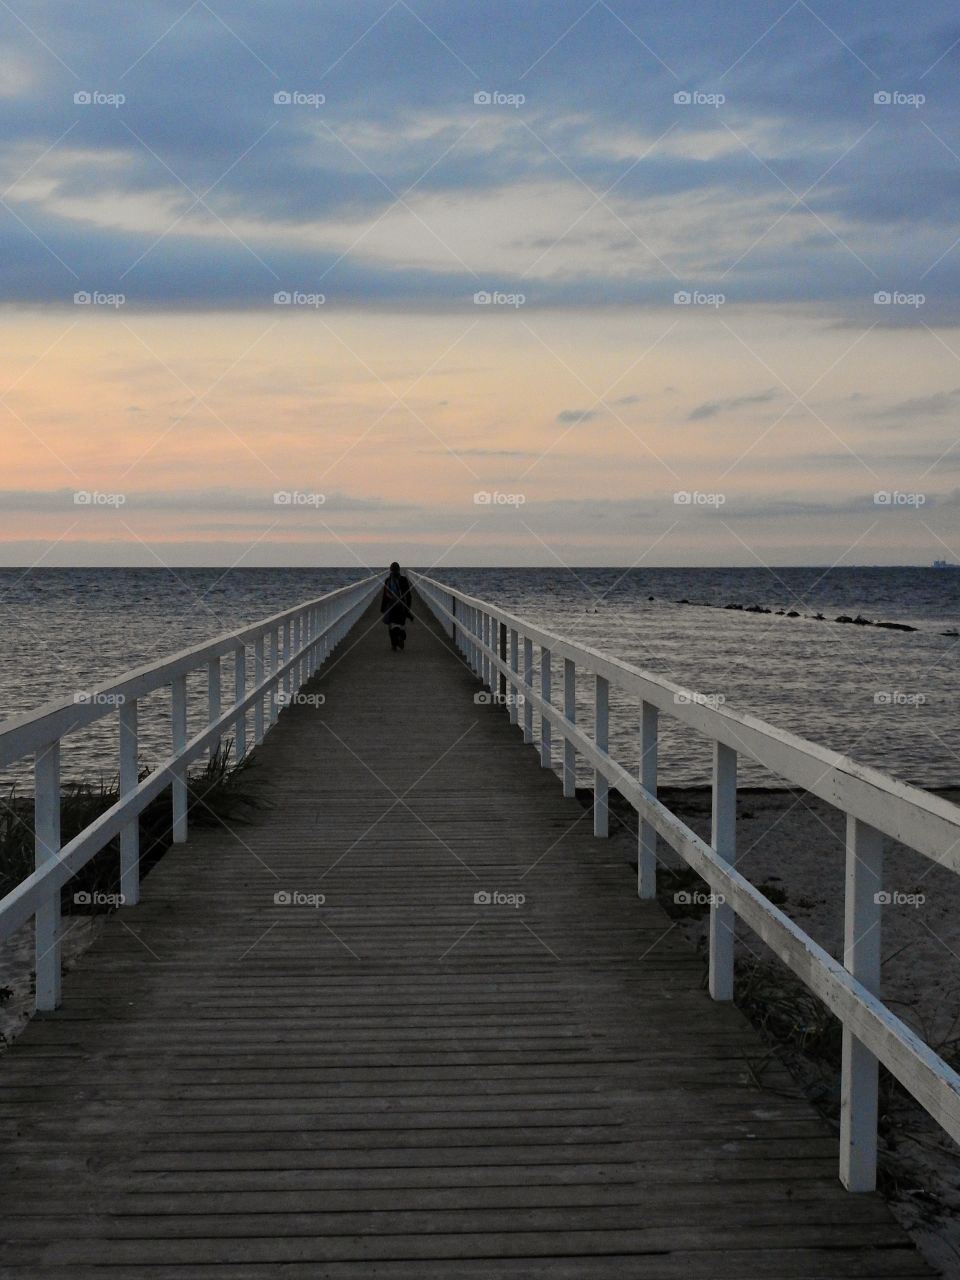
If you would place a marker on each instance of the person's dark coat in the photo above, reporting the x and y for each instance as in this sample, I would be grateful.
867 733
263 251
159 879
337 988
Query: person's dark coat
395 601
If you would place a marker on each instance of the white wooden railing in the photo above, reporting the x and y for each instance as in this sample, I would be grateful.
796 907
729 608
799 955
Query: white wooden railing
286 649
499 649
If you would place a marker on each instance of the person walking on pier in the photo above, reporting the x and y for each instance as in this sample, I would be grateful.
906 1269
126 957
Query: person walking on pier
395 606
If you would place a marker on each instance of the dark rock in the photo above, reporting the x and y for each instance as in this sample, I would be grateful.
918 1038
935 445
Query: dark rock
793 614
843 618
860 621
734 606
894 626
950 633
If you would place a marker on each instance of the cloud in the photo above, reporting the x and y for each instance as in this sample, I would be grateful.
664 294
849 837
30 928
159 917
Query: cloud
711 408
567 417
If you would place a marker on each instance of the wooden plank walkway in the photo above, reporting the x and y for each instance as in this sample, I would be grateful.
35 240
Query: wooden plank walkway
403 1083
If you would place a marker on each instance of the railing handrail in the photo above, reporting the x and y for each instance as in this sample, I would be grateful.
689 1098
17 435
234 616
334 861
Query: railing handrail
24 734
490 638
926 822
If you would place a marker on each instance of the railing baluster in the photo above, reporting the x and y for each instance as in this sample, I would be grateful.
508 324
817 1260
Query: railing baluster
46 827
861 956
502 649
179 786
130 832
724 840
240 692
570 711
213 699
257 681
546 752
515 671
287 650
274 664
601 815
647 834
528 680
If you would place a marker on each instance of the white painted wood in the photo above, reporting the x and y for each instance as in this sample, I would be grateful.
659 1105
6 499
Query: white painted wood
240 693
46 827
601 803
514 670
724 840
570 714
546 675
485 640
274 666
861 957
24 735
130 832
258 666
287 641
925 822
528 681
179 770
646 835
213 697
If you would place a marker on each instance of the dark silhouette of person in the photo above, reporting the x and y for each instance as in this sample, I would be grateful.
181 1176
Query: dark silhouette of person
395 606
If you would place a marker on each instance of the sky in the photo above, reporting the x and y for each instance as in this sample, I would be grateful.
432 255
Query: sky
457 283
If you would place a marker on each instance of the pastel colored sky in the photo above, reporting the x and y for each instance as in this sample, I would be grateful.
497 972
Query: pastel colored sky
591 165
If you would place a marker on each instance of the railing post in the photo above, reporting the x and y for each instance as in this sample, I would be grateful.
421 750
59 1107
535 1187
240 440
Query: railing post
179 785
546 741
647 834
453 620
46 826
528 680
570 712
601 817
724 842
287 650
130 832
240 692
502 648
213 699
274 664
487 674
861 957
515 670
257 681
